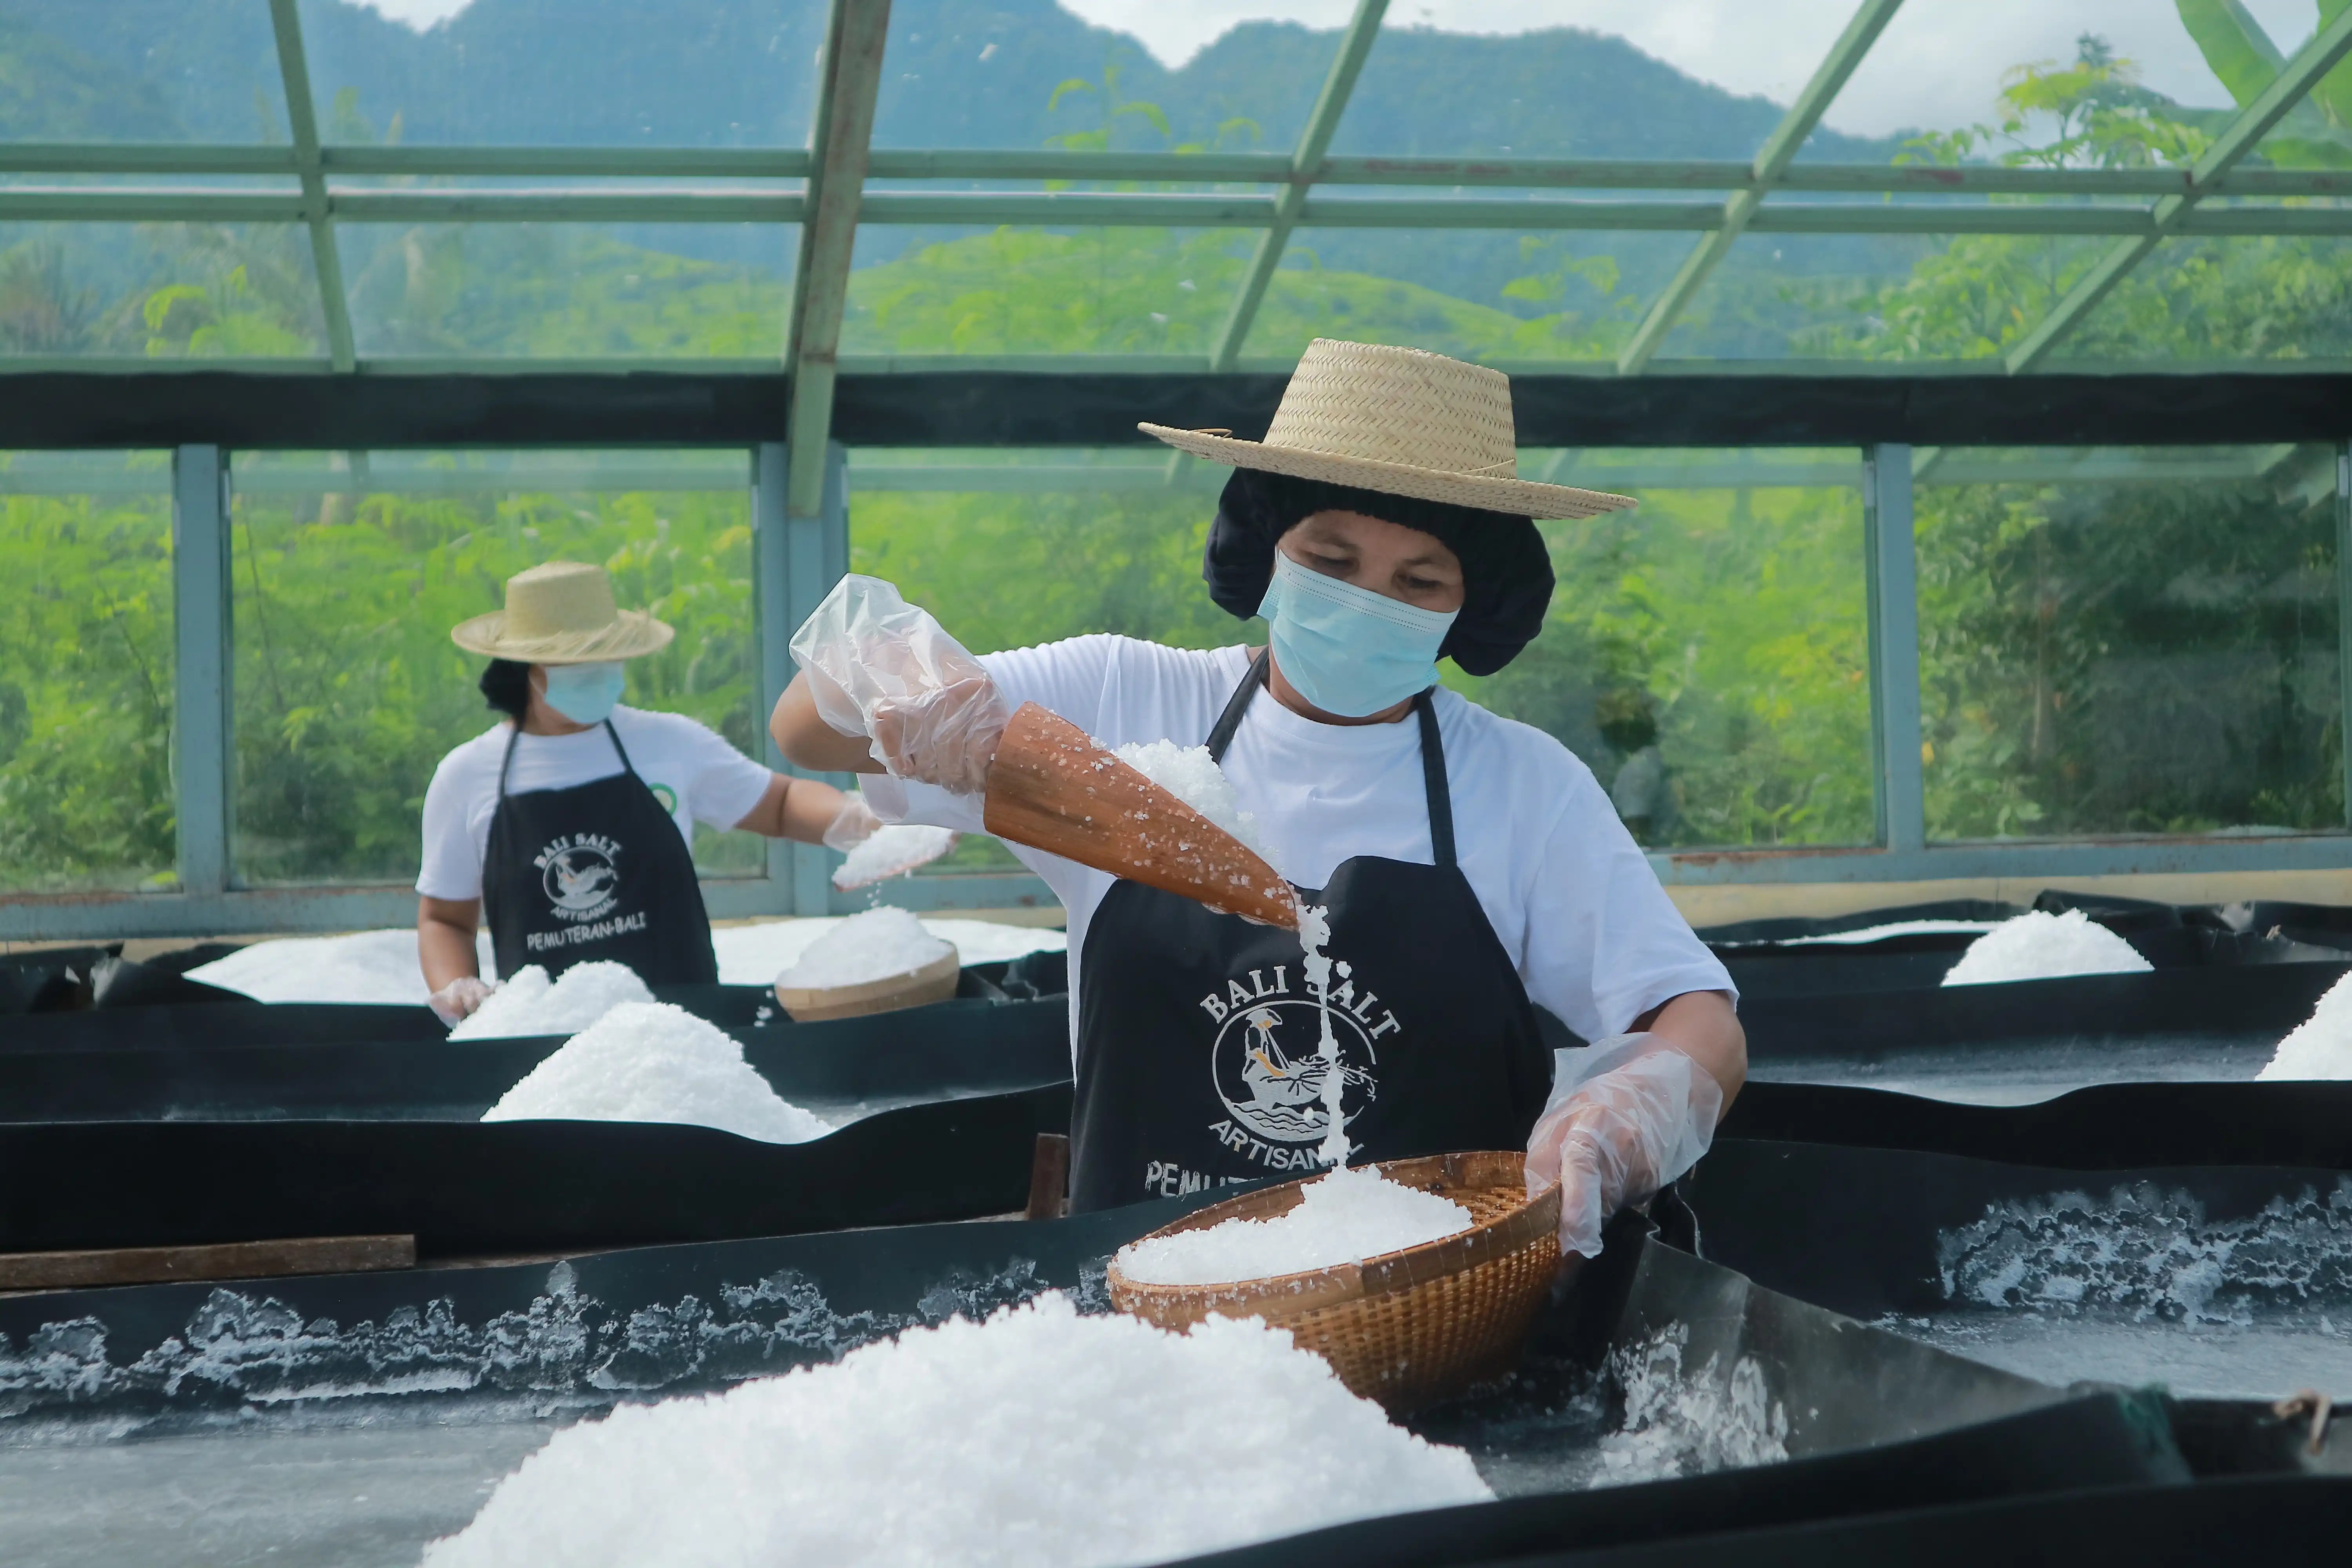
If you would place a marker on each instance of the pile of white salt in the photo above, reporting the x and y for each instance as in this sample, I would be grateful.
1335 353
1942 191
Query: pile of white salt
530 1004
2321 1046
1193 776
650 1061
1039 1436
2039 946
1343 1217
892 851
878 944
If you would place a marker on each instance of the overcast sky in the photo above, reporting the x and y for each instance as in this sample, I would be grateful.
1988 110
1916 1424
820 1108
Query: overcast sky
1938 63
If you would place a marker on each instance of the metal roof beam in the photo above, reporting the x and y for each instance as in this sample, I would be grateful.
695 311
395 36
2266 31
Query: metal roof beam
302 120
2313 61
1314 142
855 37
1771 160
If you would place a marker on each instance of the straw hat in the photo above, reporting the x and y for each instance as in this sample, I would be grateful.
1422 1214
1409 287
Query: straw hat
1402 422
562 612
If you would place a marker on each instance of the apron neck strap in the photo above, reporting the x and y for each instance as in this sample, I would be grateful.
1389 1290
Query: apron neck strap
1439 793
506 764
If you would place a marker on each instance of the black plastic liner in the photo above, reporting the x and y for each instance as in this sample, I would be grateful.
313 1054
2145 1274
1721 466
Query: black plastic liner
1862 1231
1768 959
510 1186
2109 1127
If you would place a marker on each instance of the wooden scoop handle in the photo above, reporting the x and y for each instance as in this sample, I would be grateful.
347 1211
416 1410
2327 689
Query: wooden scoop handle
1051 788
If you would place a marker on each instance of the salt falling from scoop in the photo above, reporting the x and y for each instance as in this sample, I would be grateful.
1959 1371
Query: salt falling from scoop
1314 930
893 851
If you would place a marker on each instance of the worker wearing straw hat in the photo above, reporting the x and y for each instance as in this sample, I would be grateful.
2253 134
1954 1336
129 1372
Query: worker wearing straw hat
569 822
1472 869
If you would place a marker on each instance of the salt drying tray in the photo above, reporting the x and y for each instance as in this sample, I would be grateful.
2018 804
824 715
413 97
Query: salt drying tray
350 1419
1406 1328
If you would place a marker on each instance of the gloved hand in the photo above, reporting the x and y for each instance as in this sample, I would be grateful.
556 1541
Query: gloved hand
456 1002
852 826
881 667
1627 1115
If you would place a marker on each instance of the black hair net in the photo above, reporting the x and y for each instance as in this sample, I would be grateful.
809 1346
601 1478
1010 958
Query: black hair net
1506 570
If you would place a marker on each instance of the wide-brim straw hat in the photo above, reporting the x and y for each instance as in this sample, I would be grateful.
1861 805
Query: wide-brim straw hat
562 612
1400 421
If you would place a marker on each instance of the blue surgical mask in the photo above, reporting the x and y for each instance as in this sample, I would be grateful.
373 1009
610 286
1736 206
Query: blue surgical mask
1348 650
585 693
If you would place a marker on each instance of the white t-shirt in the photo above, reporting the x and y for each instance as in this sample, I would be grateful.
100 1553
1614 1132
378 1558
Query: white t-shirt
1594 937
689 768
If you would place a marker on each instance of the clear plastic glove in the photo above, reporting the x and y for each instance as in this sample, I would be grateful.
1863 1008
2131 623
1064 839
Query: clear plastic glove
1627 1115
881 667
852 826
456 1002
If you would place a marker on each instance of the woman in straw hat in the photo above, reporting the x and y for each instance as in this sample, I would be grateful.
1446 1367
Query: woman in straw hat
569 821
1472 869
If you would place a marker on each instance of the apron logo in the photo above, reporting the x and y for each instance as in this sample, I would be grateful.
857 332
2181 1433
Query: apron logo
1269 1067
580 874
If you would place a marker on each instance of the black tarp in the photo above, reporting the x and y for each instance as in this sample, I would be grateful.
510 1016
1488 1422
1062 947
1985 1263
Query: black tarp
510 1186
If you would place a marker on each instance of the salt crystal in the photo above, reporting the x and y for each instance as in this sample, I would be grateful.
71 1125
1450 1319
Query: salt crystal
2321 1046
1039 1436
531 1004
372 966
1193 776
1342 1217
892 851
651 1061
875 945
2040 946
756 953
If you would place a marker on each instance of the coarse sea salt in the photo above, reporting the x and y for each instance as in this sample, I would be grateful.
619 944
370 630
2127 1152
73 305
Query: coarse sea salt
530 1004
755 953
1038 1437
1193 776
875 945
651 1061
2043 946
892 851
1342 1217
371 966
2321 1046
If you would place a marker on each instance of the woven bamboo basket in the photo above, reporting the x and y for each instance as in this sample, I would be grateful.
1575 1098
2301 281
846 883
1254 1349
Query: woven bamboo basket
934 982
1406 1329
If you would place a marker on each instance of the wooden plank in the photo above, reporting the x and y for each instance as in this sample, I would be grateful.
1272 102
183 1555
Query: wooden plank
1049 1178
229 1260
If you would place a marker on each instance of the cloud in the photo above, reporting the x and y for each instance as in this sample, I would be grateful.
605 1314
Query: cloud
1939 62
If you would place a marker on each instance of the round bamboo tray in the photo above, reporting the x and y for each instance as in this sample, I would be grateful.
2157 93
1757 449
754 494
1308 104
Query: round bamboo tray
934 982
1406 1329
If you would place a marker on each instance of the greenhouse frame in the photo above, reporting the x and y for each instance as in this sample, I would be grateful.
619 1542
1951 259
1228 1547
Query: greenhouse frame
800 432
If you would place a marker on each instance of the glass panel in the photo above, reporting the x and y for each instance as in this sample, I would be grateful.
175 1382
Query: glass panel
141 71
729 75
1043 79
1560 78
2257 298
1880 296
1945 64
2130 641
159 290
541 290
350 573
1029 290
1475 294
1706 653
85 667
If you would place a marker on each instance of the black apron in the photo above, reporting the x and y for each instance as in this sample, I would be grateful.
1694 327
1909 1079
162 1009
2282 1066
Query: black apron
1194 1027
595 871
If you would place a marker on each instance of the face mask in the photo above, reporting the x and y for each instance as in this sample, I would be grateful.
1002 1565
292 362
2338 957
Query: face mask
1348 650
585 693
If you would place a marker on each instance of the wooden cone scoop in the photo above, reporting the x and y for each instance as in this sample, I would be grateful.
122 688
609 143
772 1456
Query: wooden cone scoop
1051 788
